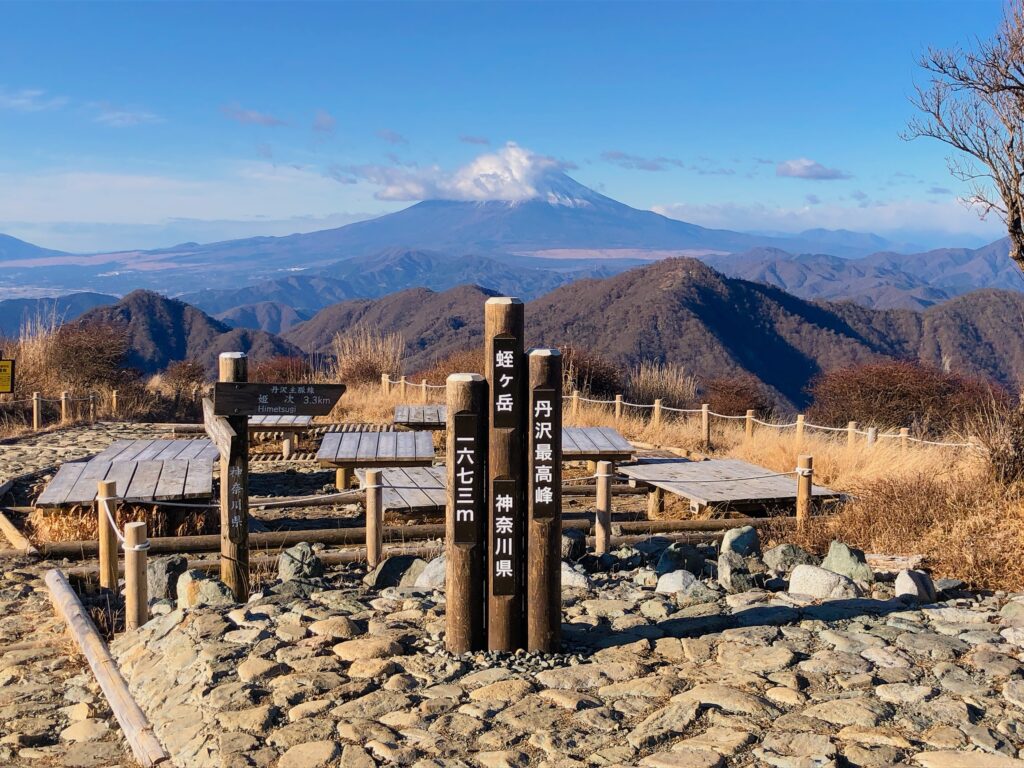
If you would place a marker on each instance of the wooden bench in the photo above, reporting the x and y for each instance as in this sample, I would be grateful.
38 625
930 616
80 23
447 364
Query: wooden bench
716 485
143 470
432 417
411 488
293 427
347 451
595 444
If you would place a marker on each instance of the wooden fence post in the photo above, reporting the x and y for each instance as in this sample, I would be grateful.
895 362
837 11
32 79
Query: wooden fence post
655 503
804 480
749 426
136 589
423 385
234 489
656 415
799 428
385 384
466 513
65 407
374 518
872 435
92 407
618 408
113 404
904 439
603 517
851 433
403 387
287 446
37 411
506 378
106 490
544 502
705 426
575 403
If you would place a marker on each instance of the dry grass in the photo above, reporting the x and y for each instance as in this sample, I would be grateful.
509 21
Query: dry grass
668 382
82 523
363 354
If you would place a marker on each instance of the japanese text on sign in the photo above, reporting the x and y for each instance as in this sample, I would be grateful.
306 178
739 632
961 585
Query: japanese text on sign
237 502
468 475
505 384
546 471
503 557
6 377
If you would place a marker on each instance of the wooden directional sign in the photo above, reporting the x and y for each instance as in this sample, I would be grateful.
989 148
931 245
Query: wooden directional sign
218 428
244 399
6 377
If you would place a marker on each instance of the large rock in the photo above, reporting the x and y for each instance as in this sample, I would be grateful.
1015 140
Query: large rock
573 579
916 585
433 576
785 557
198 590
299 562
743 541
733 574
821 583
848 562
162 575
400 571
574 544
680 557
676 581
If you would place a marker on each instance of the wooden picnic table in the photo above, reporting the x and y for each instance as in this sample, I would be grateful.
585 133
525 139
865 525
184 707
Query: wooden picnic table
142 470
432 417
411 488
716 484
347 451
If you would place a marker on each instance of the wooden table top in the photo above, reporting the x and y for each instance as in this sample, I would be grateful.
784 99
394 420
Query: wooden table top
421 416
411 488
376 449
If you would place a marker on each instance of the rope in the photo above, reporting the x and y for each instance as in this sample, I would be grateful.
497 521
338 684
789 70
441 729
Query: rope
600 402
826 429
144 546
741 479
681 410
948 445
637 405
774 426
723 416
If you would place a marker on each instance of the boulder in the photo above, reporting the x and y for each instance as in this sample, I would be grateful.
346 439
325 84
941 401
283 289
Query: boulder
162 576
573 579
733 573
399 571
676 581
299 562
848 562
743 541
824 584
433 576
199 590
574 544
785 557
680 557
916 585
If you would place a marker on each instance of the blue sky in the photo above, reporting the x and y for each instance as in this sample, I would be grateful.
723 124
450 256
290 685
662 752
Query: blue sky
145 124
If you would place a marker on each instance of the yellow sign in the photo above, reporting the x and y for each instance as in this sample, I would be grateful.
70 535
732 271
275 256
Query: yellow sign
6 377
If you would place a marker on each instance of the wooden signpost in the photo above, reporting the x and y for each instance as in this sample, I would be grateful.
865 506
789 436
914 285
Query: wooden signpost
226 419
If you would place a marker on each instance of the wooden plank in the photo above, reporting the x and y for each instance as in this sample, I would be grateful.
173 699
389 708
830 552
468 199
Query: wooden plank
172 479
328 450
173 449
151 451
144 481
569 445
406 445
586 445
113 450
209 453
431 480
618 442
198 480
57 490
84 489
120 474
424 446
413 496
193 449
401 414
348 446
603 444
132 451
367 451
387 446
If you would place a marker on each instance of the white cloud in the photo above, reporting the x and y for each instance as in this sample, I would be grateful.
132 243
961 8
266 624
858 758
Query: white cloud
30 100
803 168
117 117
512 173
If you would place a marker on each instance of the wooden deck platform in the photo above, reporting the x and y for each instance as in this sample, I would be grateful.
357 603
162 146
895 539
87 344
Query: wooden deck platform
411 488
143 470
297 424
595 444
433 417
728 483
376 449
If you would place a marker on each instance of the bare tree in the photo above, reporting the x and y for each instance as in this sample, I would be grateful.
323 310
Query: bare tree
974 102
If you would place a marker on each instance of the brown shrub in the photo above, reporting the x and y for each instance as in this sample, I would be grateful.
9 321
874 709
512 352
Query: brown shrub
588 372
363 354
461 361
668 382
735 395
902 393
183 377
281 369
81 357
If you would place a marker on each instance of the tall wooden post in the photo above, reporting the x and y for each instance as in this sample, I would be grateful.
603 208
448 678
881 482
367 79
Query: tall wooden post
544 502
656 415
423 386
385 384
904 439
403 387
106 490
37 411
603 517
575 403
65 407
374 518
92 407
506 379
799 429
136 589
749 424
872 435
655 503
466 514
851 433
705 426
618 408
234 489
804 481
113 404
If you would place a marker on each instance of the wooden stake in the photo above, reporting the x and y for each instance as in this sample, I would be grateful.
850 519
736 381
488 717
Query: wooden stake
136 588
37 411
374 518
655 503
804 481
872 435
904 439
92 407
287 448
506 379
136 728
343 478
113 404
466 513
851 433
749 431
385 384
705 426
423 387
105 491
403 387
603 518
544 502
575 403
799 429
65 409
656 416
234 489
618 408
